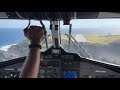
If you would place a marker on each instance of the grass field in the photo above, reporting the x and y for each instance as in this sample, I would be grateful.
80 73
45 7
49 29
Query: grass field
101 39
92 38
63 37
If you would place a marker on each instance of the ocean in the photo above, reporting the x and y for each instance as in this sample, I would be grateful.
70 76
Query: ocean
10 37
14 36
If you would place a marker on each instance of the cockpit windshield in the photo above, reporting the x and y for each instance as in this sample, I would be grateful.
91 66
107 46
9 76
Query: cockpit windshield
97 39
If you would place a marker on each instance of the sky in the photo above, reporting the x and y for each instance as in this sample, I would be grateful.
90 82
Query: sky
76 23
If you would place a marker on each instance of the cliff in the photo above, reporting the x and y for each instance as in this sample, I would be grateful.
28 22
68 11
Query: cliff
15 51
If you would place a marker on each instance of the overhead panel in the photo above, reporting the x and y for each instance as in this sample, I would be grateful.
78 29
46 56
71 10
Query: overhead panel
3 15
58 15
87 15
109 15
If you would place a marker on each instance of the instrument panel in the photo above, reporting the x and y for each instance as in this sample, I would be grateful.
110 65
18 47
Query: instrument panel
59 66
89 70
62 66
51 66
50 69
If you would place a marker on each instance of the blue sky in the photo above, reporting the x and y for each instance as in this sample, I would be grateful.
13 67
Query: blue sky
77 23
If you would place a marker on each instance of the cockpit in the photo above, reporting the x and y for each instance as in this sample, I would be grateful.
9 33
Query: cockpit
75 44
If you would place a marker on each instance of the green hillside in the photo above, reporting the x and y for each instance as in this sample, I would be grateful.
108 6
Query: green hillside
101 39
63 37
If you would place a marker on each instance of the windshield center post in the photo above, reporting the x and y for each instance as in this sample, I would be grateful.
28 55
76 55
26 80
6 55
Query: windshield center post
55 34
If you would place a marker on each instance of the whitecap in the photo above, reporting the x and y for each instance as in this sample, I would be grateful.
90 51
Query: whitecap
6 47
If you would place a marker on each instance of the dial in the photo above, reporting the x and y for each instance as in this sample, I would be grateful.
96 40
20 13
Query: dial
42 71
42 76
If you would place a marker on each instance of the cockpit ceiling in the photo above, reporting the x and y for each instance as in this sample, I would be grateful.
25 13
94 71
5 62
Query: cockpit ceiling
58 15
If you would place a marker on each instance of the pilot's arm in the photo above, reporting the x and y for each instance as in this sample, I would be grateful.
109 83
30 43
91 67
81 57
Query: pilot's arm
31 66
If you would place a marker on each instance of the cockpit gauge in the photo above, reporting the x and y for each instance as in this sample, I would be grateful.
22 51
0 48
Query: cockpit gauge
42 71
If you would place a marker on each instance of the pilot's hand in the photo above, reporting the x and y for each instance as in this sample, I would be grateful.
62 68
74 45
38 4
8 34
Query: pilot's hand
34 34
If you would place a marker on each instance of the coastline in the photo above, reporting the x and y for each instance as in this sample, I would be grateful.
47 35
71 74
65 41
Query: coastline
6 47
